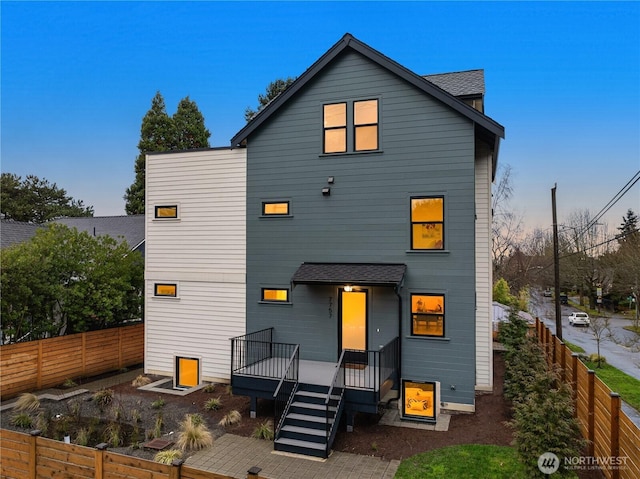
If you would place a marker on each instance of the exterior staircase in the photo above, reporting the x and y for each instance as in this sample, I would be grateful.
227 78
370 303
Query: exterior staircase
310 423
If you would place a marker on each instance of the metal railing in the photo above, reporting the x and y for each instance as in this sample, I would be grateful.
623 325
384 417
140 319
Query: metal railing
375 367
255 354
285 391
337 386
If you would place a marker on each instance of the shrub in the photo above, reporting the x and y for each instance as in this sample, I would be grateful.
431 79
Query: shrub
113 435
69 383
209 388
136 417
264 431
140 381
197 419
82 437
231 418
27 402
157 429
168 456
213 404
594 358
502 292
22 420
103 398
193 436
158 403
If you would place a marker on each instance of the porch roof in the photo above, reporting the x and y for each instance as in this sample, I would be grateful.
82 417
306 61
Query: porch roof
365 274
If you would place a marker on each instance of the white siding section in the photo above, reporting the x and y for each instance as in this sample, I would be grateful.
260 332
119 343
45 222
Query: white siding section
484 309
203 251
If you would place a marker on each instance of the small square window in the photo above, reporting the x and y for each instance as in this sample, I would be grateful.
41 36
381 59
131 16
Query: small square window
275 295
275 209
427 315
427 223
165 290
166 212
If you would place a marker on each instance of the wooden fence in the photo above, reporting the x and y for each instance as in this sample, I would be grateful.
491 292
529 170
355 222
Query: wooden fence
29 456
45 363
614 440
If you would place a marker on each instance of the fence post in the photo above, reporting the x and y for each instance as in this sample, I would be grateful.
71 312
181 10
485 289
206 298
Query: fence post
39 374
553 349
33 456
84 354
591 410
615 431
176 467
99 460
574 382
563 364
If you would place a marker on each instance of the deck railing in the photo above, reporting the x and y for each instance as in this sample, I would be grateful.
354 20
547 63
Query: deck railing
381 366
286 390
337 388
255 354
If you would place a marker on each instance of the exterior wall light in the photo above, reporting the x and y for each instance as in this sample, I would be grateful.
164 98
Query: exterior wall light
348 289
326 191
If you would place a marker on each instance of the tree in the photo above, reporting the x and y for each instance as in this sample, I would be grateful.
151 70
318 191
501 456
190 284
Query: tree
273 90
189 127
35 200
160 132
63 281
629 228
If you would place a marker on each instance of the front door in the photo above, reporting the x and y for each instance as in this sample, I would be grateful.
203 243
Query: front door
353 325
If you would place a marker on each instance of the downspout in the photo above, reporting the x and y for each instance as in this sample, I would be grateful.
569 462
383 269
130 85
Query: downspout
397 291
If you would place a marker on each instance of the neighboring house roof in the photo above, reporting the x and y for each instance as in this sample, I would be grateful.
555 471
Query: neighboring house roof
490 127
130 227
466 83
12 232
367 274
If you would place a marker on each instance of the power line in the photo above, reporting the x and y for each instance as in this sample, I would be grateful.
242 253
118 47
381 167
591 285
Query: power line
623 191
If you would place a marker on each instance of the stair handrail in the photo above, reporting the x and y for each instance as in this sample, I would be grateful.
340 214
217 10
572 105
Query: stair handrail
279 396
332 429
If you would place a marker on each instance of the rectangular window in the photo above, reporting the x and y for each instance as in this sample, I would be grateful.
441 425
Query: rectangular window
335 127
165 290
166 211
427 315
275 295
427 223
419 400
275 209
187 372
365 122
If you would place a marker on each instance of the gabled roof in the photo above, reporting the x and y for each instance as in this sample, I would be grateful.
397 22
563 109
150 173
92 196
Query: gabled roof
364 274
130 228
350 42
468 83
12 232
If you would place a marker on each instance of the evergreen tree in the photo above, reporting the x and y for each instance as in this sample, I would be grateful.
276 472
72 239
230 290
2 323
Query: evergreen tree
189 127
629 228
35 200
273 90
160 132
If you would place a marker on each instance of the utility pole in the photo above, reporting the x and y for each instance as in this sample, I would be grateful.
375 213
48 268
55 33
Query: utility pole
556 264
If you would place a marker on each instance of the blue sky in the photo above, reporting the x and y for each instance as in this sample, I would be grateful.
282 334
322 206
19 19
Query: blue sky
563 78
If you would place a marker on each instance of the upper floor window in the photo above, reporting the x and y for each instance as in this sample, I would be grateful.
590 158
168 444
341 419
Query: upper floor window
427 223
365 122
280 208
335 128
275 295
166 212
427 315
360 117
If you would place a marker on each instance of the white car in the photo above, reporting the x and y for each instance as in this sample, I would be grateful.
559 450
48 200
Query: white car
579 318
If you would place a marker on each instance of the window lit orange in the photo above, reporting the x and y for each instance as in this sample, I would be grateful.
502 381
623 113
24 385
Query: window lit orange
419 399
279 295
427 223
167 211
275 208
427 315
335 127
166 290
365 120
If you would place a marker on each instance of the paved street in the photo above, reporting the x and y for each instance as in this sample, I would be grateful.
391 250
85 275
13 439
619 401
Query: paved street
625 358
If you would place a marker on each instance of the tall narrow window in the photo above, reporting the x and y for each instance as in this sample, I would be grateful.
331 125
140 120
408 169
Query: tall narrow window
427 223
335 128
427 315
365 122
275 209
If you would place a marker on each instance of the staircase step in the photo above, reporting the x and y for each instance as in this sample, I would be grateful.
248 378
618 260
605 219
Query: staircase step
304 433
300 447
316 397
304 420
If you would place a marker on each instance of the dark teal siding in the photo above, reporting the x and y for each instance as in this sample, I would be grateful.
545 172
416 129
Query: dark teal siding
425 149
